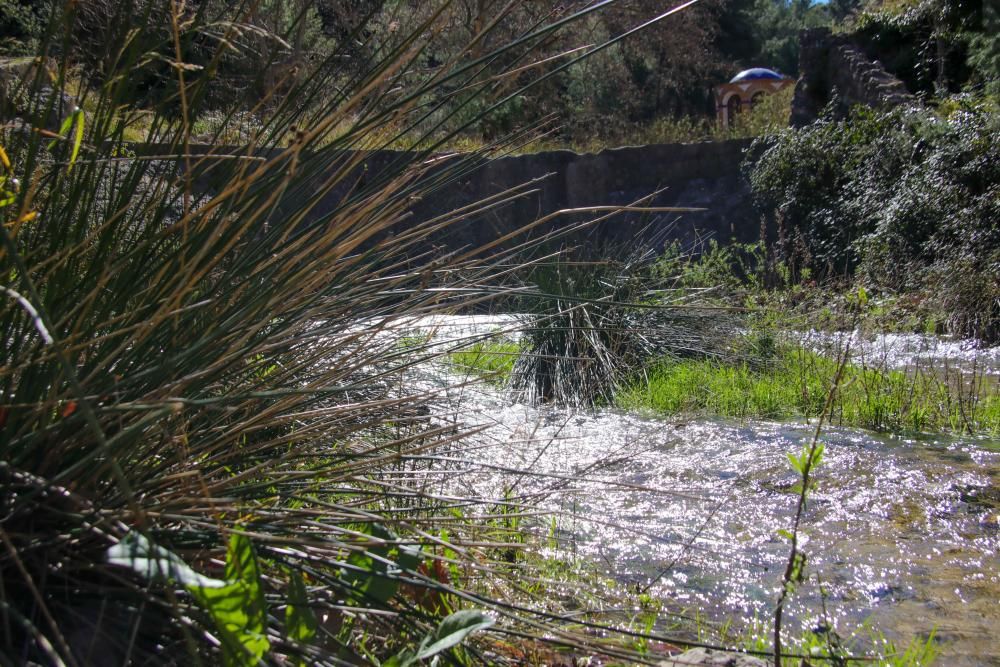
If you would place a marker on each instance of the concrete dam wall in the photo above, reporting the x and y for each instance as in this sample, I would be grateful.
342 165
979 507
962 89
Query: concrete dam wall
702 175
697 175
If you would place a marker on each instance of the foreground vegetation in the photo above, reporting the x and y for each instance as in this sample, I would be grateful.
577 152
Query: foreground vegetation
211 447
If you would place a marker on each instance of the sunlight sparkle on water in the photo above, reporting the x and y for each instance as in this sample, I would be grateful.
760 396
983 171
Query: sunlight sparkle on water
899 527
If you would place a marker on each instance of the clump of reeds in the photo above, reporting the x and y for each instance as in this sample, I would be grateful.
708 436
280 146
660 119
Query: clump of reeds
595 325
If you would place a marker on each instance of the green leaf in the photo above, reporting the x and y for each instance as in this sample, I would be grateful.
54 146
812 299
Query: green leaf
404 659
152 561
239 608
448 634
452 631
409 558
78 136
63 129
74 121
300 621
241 562
787 534
376 570
236 605
817 456
796 464
67 123
239 622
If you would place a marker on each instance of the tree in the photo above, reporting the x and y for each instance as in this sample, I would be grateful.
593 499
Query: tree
984 50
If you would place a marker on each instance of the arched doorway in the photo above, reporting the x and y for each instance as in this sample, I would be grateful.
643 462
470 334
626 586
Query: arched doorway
733 107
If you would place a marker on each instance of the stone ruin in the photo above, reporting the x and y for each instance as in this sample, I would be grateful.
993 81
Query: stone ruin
833 68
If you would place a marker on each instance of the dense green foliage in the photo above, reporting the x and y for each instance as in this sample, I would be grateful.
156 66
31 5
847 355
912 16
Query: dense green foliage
20 26
935 46
776 26
908 199
984 50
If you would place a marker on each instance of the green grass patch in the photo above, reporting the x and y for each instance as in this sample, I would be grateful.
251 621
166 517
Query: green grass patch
795 383
489 359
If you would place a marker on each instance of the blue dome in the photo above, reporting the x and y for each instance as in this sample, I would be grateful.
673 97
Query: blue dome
756 73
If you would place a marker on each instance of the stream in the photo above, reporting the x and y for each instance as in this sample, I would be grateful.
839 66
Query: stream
903 533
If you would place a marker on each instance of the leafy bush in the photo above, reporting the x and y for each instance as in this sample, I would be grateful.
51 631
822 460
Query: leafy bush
908 199
923 42
984 50
711 266
20 26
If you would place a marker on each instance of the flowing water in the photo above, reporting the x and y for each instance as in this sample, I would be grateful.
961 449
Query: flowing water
910 352
903 533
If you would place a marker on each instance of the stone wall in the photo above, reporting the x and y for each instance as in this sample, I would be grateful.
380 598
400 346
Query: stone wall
699 175
833 67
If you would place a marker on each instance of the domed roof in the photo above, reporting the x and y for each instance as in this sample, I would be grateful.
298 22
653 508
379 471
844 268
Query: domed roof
756 73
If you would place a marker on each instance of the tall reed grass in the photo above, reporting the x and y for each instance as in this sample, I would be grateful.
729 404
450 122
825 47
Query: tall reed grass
592 324
210 450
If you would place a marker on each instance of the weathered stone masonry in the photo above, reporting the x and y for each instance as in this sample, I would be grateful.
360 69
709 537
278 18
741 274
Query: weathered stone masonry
833 67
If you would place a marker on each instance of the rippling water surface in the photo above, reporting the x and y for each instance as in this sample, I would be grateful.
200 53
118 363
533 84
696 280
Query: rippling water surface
909 351
902 533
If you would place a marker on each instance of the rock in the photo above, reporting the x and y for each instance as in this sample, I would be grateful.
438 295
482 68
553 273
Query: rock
712 658
13 70
50 108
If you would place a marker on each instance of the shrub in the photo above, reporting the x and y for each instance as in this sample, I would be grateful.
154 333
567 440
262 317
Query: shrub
20 26
907 199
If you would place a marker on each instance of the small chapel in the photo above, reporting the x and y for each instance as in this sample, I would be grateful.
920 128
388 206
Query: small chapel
745 90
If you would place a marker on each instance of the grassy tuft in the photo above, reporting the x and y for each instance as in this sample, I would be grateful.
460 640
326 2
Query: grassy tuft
492 360
795 384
